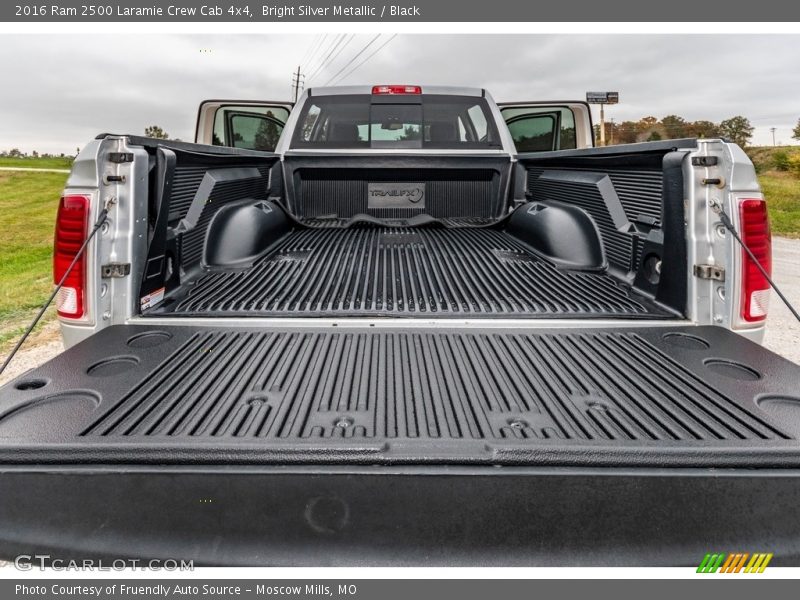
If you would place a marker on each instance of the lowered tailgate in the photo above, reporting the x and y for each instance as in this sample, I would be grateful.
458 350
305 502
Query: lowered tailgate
332 427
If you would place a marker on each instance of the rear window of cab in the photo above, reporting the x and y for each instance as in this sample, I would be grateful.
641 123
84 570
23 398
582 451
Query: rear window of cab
403 122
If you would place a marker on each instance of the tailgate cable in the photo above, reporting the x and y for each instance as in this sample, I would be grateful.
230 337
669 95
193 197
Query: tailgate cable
716 206
99 223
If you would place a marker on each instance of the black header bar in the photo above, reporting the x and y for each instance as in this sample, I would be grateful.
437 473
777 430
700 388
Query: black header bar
711 11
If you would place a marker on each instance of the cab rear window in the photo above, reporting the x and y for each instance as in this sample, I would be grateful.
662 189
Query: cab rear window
425 121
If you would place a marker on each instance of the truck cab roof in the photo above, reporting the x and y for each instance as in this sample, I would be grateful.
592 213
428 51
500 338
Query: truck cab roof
368 89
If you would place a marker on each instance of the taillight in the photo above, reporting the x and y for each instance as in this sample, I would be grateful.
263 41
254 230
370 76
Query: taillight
71 230
754 229
396 89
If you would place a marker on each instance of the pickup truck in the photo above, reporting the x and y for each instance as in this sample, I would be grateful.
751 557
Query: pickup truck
406 325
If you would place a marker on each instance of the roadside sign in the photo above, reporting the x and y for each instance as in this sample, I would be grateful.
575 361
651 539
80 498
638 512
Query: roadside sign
602 97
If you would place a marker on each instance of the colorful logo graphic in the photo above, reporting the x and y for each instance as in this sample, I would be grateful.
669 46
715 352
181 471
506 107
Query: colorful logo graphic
738 562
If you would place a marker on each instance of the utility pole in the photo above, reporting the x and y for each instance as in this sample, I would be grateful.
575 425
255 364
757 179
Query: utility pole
602 125
602 98
772 129
297 82
612 131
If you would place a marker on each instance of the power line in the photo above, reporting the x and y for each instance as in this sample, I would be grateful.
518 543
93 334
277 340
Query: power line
353 58
316 50
324 51
327 54
326 61
381 47
338 52
310 48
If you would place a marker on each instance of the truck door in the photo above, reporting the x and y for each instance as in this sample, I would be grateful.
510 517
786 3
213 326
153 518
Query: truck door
252 125
548 126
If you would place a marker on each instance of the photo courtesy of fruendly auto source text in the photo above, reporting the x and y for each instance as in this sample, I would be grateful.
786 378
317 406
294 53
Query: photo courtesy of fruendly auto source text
432 299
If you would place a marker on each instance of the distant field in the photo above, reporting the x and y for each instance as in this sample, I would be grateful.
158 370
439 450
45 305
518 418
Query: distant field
782 192
37 163
781 188
28 204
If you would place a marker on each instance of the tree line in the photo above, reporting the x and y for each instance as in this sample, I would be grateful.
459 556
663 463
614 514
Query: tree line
738 129
153 131
17 153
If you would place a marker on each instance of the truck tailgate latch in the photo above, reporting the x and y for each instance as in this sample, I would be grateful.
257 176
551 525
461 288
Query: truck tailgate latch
709 272
115 270
704 161
120 157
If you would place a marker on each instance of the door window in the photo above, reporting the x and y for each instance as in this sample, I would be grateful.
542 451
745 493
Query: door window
541 129
534 133
250 127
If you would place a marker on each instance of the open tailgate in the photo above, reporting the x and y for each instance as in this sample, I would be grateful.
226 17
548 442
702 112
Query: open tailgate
403 445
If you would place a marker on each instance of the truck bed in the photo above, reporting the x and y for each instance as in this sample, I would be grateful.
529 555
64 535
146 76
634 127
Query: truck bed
381 271
246 235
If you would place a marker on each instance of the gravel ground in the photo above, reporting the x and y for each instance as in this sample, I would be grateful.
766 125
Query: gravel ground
783 330
40 347
782 337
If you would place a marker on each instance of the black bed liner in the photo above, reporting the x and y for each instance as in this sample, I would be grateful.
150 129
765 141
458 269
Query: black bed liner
409 272
680 396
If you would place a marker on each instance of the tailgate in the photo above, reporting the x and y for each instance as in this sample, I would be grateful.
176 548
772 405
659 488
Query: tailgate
447 445
189 394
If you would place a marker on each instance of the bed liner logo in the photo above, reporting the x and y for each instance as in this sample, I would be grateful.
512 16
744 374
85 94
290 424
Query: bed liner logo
396 195
734 562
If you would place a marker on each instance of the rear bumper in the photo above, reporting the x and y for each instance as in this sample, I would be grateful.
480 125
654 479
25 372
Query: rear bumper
337 516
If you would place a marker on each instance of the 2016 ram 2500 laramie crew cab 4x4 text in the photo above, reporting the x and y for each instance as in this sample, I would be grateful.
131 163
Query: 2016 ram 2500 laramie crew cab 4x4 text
406 325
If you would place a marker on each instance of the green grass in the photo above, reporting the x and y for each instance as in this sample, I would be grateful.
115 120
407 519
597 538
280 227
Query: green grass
781 188
37 163
782 191
28 204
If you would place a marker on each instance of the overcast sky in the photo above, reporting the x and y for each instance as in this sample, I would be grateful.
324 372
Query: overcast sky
58 91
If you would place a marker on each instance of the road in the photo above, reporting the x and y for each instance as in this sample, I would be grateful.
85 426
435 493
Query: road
783 330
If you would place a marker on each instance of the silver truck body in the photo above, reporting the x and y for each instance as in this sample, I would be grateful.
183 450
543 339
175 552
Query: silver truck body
123 239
